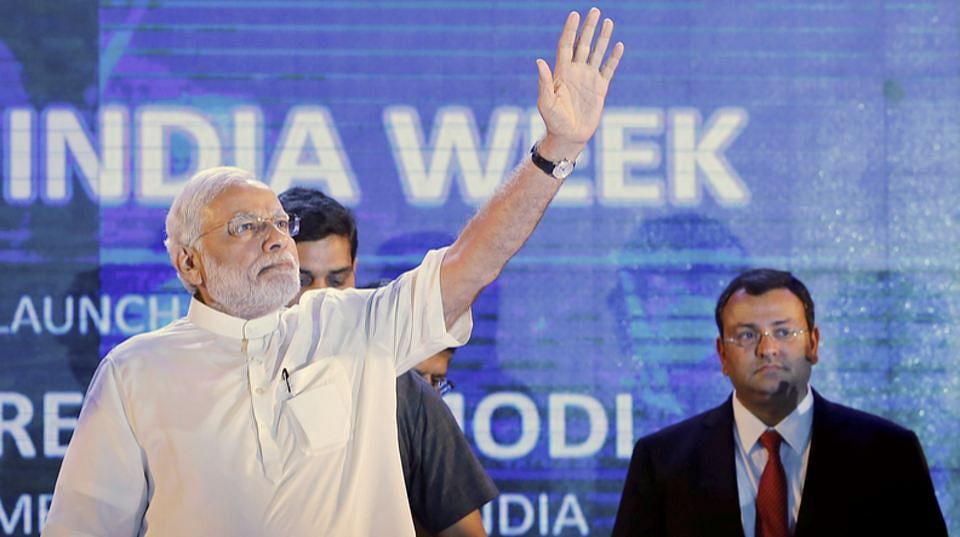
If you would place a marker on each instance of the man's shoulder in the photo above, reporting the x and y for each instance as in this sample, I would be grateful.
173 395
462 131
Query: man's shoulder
688 431
681 448
162 341
321 302
849 421
411 392
416 399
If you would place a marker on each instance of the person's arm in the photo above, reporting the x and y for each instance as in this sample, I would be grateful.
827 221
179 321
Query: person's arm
448 485
468 526
102 488
912 493
640 511
571 103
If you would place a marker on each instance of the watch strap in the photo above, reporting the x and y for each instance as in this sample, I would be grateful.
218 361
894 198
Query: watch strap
540 162
549 167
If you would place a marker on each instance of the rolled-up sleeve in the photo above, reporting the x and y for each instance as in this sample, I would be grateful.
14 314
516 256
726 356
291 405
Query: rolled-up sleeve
408 313
102 486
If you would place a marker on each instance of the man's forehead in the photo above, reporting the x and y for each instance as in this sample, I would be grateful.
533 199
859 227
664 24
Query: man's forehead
329 253
251 198
774 305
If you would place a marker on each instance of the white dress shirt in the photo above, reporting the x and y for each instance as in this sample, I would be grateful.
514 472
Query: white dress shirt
751 457
193 430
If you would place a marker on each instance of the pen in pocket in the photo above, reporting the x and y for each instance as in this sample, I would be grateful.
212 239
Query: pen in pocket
286 379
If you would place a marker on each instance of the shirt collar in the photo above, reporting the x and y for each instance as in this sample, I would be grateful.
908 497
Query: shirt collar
794 429
229 326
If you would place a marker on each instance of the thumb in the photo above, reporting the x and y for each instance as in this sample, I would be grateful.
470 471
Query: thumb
546 82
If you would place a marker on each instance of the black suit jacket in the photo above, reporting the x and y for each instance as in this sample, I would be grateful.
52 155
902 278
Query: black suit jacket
865 476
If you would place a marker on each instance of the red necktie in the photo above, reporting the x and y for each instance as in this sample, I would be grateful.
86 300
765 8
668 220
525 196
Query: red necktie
772 491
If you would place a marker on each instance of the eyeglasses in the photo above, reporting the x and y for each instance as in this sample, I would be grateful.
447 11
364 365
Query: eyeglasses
247 226
441 383
749 339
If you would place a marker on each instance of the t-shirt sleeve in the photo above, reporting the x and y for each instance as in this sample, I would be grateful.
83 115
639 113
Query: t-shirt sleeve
409 423
101 489
447 481
407 316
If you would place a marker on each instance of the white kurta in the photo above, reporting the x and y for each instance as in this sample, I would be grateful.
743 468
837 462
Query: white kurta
192 429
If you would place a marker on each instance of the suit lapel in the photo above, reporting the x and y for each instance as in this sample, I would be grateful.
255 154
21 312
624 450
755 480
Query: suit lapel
719 472
823 466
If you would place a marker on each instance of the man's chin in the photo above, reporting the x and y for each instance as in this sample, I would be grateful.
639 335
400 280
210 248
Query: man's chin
256 304
278 275
775 389
279 269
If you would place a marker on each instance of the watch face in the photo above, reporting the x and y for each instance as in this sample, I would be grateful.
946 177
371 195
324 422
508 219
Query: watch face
563 169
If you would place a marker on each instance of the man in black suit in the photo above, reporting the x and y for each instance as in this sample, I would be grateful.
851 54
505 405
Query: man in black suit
776 459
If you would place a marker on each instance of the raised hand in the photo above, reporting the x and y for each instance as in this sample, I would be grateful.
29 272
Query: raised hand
572 95
571 103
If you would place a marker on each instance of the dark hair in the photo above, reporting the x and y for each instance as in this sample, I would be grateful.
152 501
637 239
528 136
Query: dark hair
320 216
757 282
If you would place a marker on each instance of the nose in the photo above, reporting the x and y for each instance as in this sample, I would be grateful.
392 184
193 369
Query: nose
768 345
274 239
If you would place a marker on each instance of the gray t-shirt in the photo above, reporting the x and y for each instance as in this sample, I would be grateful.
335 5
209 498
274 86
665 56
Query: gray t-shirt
445 481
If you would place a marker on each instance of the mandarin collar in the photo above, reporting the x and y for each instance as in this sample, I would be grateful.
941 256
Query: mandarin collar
229 326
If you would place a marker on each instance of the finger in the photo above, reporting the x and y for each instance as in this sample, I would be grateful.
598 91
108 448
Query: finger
601 47
567 36
610 66
582 48
546 82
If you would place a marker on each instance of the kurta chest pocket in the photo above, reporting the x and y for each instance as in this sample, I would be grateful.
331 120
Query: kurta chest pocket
319 410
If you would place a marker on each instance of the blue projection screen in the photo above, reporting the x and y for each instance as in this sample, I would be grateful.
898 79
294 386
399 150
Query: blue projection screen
819 137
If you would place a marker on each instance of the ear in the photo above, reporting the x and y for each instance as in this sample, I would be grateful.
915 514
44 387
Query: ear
189 267
813 356
721 352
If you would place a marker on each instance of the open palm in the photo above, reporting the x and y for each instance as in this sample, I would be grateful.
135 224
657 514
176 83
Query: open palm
572 96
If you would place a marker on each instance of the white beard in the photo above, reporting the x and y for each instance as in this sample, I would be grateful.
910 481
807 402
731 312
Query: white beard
248 294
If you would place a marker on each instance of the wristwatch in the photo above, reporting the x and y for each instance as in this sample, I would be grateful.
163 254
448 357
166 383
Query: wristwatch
559 170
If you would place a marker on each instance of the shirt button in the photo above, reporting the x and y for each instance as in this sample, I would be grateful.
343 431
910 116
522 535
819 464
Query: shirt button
259 391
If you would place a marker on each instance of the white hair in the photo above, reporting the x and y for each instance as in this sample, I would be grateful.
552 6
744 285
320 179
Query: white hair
186 213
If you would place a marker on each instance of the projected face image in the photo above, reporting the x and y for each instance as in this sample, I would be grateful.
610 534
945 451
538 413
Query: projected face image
252 269
666 333
766 348
671 271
